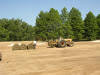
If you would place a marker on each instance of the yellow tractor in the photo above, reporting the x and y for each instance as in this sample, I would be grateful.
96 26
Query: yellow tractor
61 43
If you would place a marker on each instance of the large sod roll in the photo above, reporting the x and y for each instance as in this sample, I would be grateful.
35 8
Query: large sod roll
23 47
31 46
16 47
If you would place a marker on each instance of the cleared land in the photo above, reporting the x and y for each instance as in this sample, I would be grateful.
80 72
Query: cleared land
82 59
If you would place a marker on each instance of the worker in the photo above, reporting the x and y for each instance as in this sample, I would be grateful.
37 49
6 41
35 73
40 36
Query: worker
34 43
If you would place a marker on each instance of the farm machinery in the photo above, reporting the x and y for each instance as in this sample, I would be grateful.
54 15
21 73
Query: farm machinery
61 43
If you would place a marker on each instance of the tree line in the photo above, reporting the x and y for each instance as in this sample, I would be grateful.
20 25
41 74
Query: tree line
15 30
52 25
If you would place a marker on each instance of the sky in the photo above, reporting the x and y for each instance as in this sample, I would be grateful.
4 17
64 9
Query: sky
28 10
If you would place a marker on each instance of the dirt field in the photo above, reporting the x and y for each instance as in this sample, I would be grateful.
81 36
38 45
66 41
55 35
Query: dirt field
82 59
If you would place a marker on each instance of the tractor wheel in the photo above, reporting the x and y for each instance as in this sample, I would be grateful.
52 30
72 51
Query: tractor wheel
62 44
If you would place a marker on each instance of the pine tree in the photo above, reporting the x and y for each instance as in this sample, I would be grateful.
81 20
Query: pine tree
64 15
76 23
4 34
54 24
98 23
40 28
66 27
91 26
15 30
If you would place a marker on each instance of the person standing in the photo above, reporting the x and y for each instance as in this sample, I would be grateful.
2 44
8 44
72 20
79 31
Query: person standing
34 44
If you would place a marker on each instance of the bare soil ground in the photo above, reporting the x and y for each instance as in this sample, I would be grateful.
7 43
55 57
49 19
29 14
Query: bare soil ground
82 59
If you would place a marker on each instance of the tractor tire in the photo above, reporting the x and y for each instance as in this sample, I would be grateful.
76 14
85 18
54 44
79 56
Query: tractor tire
62 44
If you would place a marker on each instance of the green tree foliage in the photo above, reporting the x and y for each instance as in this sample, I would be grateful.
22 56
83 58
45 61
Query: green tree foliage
66 27
68 33
48 25
98 23
4 35
76 23
64 15
52 25
40 28
91 26
15 30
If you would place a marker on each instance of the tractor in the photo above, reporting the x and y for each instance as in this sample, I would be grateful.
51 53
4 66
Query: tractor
60 43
